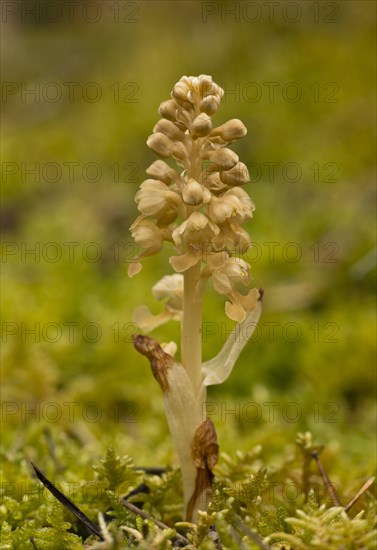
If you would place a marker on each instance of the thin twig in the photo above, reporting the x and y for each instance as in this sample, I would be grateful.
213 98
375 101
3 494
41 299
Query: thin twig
364 488
144 515
151 470
253 536
68 503
329 486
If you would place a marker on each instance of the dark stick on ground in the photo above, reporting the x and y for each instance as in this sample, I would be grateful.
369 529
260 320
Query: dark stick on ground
151 470
144 515
253 536
364 488
329 486
92 527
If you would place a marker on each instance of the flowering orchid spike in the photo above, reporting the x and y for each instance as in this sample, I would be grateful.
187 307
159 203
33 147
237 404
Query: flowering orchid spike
199 209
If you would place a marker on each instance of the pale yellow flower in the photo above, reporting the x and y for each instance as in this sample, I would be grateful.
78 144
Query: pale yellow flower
241 304
226 272
234 203
234 270
232 237
156 200
149 237
194 233
168 290
195 193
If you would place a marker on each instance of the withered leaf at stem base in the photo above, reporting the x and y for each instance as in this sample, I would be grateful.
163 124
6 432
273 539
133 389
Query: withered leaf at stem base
205 452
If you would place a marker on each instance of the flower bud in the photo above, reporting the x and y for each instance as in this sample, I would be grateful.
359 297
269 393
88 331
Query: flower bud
209 104
187 107
163 172
207 86
160 144
169 129
238 175
180 91
179 151
184 117
201 126
167 109
231 130
222 159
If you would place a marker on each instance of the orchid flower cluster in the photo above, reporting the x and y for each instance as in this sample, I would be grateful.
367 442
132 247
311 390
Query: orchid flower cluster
199 210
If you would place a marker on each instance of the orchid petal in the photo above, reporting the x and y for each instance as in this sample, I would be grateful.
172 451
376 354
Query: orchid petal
147 321
134 268
183 262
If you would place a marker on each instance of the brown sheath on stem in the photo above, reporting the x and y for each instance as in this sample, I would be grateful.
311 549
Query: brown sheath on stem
205 451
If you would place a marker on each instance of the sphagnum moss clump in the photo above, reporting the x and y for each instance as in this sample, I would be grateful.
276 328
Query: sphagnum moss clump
200 209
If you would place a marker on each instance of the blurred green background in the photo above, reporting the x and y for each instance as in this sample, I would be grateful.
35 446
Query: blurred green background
302 79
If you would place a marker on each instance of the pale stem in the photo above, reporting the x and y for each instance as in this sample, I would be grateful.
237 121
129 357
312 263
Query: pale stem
191 342
192 328
191 337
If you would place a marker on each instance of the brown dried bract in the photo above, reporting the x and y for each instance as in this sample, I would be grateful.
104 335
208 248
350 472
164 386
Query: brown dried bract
205 452
205 449
160 361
